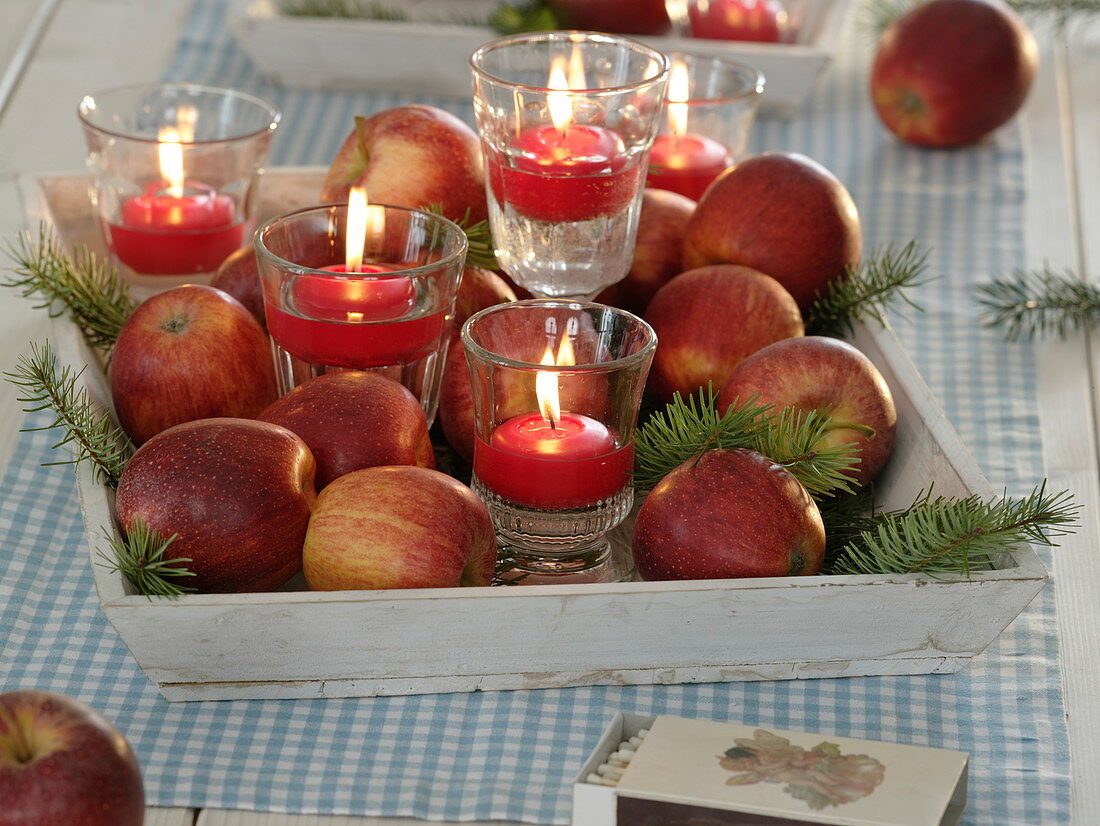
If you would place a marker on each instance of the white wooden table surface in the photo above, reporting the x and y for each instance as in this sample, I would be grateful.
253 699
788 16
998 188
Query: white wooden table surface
52 51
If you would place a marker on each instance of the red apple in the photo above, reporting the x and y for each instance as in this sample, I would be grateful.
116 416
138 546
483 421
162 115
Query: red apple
618 16
353 420
949 72
759 21
709 319
661 227
236 491
783 214
398 527
819 373
192 352
63 763
412 156
456 405
729 513
478 289
239 275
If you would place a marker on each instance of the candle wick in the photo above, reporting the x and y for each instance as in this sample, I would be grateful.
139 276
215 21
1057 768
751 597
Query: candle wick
553 425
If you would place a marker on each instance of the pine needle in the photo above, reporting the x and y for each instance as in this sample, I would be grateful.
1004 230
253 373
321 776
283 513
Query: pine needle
83 285
343 9
1039 302
686 429
516 17
480 250
89 432
868 291
139 556
942 536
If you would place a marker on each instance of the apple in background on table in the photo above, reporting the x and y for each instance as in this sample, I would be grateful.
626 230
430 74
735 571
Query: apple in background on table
412 156
949 72
522 293
478 289
731 513
398 527
456 404
239 275
192 352
236 491
783 214
64 764
758 21
709 319
353 420
661 227
820 373
618 16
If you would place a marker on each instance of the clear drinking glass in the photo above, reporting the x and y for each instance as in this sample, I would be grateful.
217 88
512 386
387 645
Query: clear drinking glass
566 120
391 314
175 173
711 106
556 387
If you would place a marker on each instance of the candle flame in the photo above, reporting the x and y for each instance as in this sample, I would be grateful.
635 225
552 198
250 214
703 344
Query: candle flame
559 102
678 86
546 381
356 231
170 150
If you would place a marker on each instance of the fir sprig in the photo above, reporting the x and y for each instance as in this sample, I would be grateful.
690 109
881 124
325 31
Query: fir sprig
479 239
881 279
139 556
879 14
938 536
83 285
1039 302
88 430
343 9
687 428
516 17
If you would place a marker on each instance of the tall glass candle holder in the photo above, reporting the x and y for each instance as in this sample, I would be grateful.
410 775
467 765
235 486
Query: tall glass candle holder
389 312
556 387
711 107
566 120
175 173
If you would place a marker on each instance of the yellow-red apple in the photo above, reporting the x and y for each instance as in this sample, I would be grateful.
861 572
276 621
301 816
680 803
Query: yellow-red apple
192 352
783 214
709 319
412 156
729 513
239 275
949 72
398 527
237 493
820 373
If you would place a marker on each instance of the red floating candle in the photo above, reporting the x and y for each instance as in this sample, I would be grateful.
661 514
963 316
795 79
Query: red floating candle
176 227
567 171
759 21
679 160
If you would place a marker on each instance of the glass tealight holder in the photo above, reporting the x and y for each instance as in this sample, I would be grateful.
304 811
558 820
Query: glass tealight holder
175 174
566 120
711 106
556 386
390 314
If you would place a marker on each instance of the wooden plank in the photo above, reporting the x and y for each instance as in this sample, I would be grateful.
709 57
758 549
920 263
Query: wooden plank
1062 166
225 817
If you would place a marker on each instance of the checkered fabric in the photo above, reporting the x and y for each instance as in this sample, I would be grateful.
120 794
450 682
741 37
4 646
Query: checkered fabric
510 755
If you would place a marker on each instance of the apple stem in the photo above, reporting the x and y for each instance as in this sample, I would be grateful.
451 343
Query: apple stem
23 751
176 324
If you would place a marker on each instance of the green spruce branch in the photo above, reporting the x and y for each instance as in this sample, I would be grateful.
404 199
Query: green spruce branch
479 239
139 556
685 429
880 281
1039 302
343 9
88 288
89 433
939 536
515 16
879 14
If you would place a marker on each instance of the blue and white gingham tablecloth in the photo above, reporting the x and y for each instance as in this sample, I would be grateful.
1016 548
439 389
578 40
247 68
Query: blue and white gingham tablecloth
510 755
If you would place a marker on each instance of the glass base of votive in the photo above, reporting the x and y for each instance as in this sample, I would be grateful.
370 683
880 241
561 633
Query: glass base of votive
558 546
421 376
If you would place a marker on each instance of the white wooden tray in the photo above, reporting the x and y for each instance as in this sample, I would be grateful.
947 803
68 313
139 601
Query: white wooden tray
363 643
316 52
